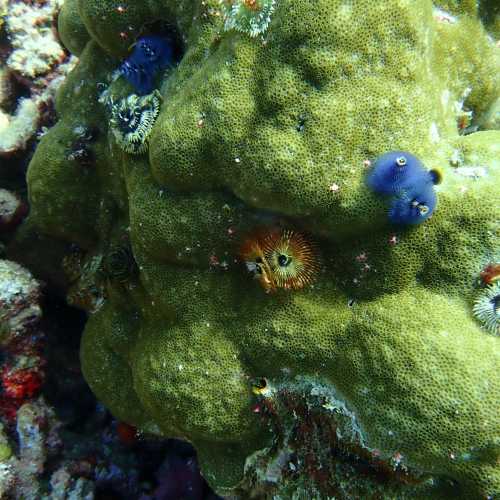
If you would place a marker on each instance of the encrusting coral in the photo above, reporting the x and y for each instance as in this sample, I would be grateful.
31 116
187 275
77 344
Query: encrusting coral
278 129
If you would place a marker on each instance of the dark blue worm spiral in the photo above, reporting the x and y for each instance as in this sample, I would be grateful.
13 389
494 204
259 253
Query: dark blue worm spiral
151 54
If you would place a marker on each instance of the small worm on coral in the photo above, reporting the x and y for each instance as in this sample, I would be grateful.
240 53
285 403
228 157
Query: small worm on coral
413 207
402 175
260 387
397 171
247 16
253 256
132 121
281 259
119 264
487 308
80 150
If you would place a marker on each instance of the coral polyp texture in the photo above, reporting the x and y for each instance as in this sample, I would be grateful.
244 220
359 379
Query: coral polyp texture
379 357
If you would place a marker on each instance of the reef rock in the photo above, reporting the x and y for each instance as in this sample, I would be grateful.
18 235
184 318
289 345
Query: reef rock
33 64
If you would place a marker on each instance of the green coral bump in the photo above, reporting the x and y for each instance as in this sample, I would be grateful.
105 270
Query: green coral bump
245 288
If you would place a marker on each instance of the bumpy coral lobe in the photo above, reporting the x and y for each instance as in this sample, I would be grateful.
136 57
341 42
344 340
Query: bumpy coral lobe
253 131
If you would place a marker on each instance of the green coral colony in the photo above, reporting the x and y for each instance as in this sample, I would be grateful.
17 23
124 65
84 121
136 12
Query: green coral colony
270 122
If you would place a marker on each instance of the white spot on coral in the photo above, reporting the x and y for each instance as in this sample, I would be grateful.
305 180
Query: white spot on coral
458 105
455 157
434 133
443 17
471 172
445 97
